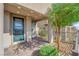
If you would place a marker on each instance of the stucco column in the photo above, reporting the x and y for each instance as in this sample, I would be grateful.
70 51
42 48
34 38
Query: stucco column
28 27
1 28
50 33
37 30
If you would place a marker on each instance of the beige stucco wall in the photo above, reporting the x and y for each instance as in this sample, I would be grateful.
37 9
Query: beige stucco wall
7 35
1 28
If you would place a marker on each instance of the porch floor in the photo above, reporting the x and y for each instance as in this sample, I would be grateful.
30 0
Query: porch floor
22 49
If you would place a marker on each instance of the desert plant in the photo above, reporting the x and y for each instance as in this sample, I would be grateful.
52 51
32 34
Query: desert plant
48 50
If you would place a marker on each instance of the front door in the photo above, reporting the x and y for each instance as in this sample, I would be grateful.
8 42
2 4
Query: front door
18 29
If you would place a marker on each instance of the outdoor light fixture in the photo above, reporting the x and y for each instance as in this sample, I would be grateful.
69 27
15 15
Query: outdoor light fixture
19 7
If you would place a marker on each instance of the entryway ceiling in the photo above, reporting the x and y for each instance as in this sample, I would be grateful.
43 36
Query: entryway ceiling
26 10
39 7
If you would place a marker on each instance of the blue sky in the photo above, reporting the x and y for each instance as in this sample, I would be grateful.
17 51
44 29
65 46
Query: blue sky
76 25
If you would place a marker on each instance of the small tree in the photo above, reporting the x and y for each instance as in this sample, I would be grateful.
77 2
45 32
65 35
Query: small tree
62 15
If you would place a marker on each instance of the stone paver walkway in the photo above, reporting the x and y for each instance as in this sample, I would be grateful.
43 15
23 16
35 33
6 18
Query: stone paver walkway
22 49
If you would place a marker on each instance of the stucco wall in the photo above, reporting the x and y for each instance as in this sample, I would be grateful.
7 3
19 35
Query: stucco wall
7 35
1 28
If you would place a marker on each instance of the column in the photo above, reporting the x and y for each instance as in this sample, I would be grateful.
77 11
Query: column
28 27
1 28
50 33
37 30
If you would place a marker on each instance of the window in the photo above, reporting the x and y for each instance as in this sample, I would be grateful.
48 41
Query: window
18 24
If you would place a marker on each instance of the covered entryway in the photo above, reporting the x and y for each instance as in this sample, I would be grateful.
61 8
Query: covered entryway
20 23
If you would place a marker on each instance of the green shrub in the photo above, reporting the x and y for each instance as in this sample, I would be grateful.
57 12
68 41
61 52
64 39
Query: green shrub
48 50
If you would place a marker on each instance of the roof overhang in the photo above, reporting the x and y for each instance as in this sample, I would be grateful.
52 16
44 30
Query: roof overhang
24 11
39 7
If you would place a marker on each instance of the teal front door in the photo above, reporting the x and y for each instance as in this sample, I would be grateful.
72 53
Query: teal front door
18 29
